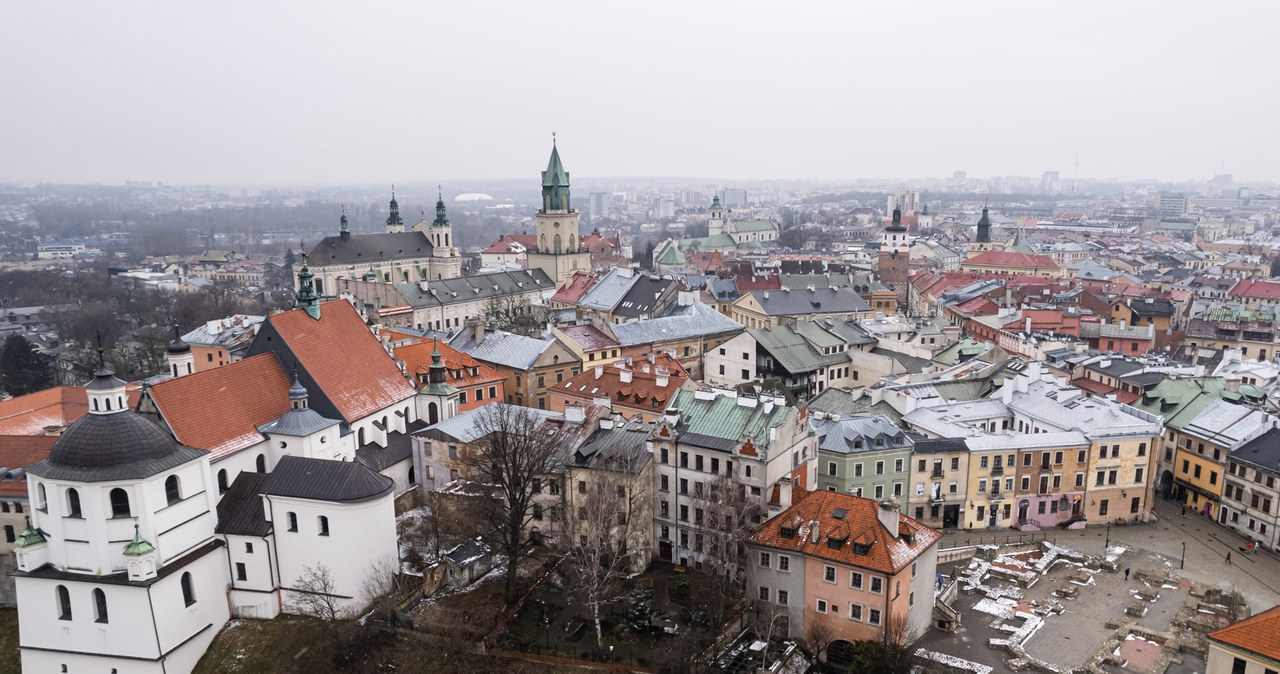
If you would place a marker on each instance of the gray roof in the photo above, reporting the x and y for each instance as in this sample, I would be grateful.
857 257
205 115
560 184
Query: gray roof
465 427
912 364
804 302
116 446
609 290
694 320
1261 452
501 347
297 423
642 298
843 402
619 447
467 553
370 248
326 480
399 448
792 352
939 446
470 288
861 434
240 510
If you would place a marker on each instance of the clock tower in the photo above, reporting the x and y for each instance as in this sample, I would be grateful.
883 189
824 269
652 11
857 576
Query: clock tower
558 249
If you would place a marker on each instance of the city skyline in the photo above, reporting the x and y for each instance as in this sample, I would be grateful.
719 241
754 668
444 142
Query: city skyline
294 94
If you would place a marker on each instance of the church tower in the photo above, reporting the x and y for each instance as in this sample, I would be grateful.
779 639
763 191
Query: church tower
716 225
395 223
895 257
178 356
307 298
446 262
984 227
559 248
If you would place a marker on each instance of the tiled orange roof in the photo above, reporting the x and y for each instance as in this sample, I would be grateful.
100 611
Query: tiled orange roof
1259 635
886 553
1006 258
20 451
417 360
219 410
53 408
642 392
577 286
343 358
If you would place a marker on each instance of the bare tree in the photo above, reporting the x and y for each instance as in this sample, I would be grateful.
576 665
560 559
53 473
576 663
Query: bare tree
605 526
313 594
731 516
770 619
817 637
515 314
382 585
516 450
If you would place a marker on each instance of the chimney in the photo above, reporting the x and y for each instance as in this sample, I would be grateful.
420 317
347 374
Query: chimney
1123 323
624 375
606 423
813 531
784 493
672 416
599 371
477 331
888 515
575 414
1233 383
1028 331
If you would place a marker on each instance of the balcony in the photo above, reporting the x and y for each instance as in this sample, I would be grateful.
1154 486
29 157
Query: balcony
937 499
996 495
936 474
997 470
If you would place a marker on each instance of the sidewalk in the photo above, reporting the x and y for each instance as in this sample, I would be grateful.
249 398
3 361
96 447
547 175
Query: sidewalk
1257 576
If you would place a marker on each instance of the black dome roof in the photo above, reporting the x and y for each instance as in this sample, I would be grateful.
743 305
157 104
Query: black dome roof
178 346
120 445
101 440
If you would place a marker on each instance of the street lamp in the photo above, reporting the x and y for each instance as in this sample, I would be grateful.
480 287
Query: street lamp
1107 544
611 654
1182 562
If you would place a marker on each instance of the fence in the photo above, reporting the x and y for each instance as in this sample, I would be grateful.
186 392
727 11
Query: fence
956 541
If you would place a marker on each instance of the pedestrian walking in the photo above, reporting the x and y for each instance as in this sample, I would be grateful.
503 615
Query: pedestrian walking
1228 559
1126 575
1183 513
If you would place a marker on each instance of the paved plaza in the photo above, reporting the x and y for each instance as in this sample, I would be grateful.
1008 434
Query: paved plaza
1071 637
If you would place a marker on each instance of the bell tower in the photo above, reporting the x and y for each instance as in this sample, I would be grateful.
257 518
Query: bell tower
559 247
894 267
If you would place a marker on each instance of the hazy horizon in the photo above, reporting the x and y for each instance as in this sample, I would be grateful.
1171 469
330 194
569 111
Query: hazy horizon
330 93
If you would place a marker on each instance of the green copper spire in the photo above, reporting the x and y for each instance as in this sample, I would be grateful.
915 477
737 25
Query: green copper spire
436 384
394 219
441 219
343 232
139 546
555 183
715 203
306 297
29 536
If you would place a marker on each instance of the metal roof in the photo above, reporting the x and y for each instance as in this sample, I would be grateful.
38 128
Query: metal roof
609 291
326 480
805 302
365 249
240 510
501 347
696 320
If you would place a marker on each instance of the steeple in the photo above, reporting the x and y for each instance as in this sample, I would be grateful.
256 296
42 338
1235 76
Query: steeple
29 536
343 232
555 183
441 219
437 371
984 226
896 224
106 392
307 299
715 203
297 394
139 546
178 355
394 222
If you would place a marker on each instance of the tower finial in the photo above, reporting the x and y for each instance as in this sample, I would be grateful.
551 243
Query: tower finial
553 138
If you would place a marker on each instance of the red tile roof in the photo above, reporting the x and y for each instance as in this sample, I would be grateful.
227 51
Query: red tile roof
53 408
1010 259
20 451
503 244
1260 289
641 393
1259 635
888 553
417 360
219 410
344 359
751 283
978 306
577 286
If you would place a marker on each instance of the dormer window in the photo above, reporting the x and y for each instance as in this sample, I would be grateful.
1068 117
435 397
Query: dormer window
861 548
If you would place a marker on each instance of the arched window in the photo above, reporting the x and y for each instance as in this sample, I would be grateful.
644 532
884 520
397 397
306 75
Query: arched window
222 481
433 413
95 404
573 244
188 593
360 438
172 489
43 504
556 244
293 522
411 476
120 503
64 603
99 605
261 463
73 503
324 525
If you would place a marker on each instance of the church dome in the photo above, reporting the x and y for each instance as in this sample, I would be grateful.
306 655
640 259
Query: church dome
110 441
177 346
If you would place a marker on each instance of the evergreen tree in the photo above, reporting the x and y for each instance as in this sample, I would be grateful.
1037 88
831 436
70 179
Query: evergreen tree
1275 266
22 369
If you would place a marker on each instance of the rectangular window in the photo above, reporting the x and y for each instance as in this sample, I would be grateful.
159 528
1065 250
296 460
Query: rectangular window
857 470
241 574
764 560
1102 507
855 612
877 585
783 596
831 468
764 591
1138 475
829 574
293 522
855 580
784 563
873 616
822 606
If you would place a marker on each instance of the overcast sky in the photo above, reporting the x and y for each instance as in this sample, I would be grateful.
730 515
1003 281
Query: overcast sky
381 92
